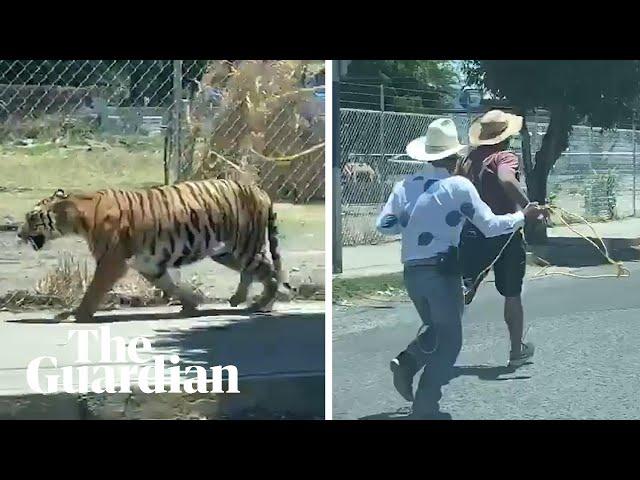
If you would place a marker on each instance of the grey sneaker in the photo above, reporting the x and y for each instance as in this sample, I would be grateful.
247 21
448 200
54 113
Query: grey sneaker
402 378
520 358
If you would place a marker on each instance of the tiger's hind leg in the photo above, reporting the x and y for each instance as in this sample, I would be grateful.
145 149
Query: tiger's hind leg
260 269
240 296
242 291
266 274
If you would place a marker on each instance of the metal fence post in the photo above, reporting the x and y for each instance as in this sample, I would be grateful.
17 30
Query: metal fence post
381 157
633 130
177 119
337 184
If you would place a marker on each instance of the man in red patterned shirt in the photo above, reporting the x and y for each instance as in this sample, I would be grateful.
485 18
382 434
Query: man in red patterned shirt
495 172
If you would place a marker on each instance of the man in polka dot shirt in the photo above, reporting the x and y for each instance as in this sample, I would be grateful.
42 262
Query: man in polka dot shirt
429 209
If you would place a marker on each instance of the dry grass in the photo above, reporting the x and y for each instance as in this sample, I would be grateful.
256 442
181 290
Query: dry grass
260 116
65 284
30 174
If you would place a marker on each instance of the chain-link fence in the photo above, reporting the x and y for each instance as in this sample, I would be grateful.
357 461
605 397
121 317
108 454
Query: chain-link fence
80 125
84 125
372 146
271 131
595 177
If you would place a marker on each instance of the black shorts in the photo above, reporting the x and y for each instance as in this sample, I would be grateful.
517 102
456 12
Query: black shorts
477 252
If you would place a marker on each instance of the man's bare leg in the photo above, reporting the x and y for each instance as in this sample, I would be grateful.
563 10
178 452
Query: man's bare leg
514 318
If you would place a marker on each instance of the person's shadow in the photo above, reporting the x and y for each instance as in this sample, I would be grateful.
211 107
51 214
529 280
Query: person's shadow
483 372
489 373
405 414
105 317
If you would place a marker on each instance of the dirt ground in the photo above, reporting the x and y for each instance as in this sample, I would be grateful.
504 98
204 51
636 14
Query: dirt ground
21 267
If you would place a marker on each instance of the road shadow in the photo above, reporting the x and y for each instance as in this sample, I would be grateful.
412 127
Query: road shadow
576 252
405 414
290 343
285 352
483 372
490 373
145 316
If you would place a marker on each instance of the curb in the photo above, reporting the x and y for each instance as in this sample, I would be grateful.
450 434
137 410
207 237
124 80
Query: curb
559 251
577 252
271 397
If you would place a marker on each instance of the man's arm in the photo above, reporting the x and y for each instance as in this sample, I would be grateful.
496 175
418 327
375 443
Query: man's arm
480 214
388 222
506 173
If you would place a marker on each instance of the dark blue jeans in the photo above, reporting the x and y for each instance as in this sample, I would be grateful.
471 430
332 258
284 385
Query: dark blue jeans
439 301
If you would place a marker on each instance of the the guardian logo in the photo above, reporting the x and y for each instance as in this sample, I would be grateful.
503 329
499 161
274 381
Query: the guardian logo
151 375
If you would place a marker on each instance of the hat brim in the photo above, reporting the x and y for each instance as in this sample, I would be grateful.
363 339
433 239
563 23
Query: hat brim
416 150
514 125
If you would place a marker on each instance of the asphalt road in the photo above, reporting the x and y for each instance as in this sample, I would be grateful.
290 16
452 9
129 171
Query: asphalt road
587 337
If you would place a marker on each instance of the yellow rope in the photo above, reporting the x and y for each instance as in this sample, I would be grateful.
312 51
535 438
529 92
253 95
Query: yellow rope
290 157
621 270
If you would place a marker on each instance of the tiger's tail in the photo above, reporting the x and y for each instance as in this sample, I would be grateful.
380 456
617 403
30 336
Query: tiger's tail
272 230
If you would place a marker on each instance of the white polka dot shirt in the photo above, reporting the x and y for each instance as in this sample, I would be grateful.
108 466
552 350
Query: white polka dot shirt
429 209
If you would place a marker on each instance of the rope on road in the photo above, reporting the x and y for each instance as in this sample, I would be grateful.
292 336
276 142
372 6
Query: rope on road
621 270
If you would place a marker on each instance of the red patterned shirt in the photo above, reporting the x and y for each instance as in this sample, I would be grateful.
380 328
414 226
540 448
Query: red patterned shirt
482 167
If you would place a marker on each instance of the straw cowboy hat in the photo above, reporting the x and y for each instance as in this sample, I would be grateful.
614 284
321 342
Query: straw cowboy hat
494 127
441 141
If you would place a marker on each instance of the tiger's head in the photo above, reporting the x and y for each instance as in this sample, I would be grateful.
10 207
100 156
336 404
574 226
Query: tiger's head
47 220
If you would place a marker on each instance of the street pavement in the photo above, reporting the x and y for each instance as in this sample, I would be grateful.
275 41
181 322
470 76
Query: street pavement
287 343
587 336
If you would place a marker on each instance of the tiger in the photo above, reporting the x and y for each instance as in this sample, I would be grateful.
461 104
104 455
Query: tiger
164 227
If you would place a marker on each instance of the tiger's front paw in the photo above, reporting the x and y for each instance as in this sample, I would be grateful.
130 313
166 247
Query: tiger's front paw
80 317
84 318
189 310
237 299
62 316
190 302
262 303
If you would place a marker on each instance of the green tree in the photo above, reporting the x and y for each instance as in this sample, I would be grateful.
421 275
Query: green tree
599 91
410 85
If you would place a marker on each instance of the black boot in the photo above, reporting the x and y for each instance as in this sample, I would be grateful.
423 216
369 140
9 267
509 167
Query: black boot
404 369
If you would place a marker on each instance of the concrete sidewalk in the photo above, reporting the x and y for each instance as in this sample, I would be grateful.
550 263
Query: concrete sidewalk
279 357
622 238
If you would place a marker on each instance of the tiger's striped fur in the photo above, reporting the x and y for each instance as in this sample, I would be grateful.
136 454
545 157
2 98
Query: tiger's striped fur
166 226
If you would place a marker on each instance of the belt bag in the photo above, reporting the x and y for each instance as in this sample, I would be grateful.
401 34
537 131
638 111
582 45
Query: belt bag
449 262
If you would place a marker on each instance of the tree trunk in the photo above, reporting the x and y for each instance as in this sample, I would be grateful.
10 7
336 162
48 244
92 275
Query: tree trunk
554 142
526 146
